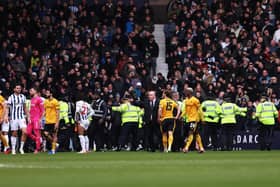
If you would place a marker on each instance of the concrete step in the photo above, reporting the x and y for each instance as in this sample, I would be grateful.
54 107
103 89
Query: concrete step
160 39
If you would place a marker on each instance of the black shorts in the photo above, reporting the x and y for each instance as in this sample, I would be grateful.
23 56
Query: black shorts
168 125
49 128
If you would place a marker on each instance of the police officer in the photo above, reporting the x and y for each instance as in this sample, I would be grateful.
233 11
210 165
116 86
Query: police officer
211 112
98 122
266 113
130 115
228 121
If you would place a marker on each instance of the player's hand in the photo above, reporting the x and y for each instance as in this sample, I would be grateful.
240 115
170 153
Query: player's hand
1 121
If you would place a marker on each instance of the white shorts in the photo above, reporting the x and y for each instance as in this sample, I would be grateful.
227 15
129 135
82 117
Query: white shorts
84 124
18 124
5 127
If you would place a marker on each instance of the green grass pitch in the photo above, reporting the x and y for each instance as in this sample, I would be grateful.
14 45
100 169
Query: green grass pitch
133 169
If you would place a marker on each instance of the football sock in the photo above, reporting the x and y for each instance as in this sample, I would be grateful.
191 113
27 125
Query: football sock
189 141
87 143
164 141
199 141
14 142
170 141
21 145
82 142
7 139
3 139
53 146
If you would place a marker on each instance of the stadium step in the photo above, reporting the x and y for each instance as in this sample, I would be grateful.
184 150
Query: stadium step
160 39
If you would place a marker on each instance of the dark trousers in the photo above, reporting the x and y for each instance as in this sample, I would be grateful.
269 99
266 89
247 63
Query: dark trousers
265 136
63 138
185 133
227 136
128 129
212 132
114 135
178 136
96 134
152 137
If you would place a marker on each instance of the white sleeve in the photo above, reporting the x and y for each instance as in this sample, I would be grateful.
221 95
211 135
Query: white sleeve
78 108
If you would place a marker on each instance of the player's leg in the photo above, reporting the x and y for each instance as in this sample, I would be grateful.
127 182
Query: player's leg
4 129
86 125
164 141
171 128
23 126
198 139
37 135
164 135
199 142
44 140
81 132
29 131
4 141
48 133
86 142
14 129
190 137
54 140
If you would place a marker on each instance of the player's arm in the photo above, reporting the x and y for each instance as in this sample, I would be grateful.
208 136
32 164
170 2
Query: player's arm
7 110
178 110
42 110
57 115
91 111
27 112
4 111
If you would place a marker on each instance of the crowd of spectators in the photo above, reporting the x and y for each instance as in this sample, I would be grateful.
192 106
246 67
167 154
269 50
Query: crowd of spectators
225 49
77 49
221 48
